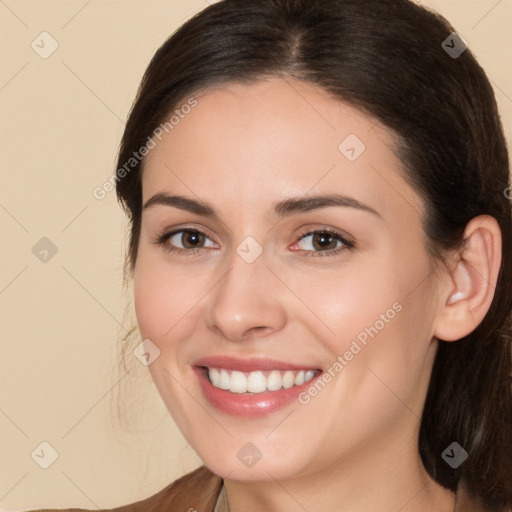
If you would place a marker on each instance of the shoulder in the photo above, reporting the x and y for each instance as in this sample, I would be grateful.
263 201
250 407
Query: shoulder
196 491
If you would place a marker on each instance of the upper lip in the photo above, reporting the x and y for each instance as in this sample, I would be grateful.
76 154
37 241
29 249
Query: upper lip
249 365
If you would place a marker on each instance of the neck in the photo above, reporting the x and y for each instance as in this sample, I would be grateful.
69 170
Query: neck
381 476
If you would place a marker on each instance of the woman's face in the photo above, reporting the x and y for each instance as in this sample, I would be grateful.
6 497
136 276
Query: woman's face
298 253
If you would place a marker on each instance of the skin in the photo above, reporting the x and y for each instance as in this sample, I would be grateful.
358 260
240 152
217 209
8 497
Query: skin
353 447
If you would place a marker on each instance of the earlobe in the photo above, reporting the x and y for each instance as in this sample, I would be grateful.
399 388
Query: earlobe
469 293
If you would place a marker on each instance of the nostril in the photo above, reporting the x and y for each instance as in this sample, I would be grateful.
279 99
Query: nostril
258 331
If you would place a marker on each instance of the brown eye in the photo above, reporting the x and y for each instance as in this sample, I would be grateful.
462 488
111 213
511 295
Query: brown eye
184 239
324 240
321 241
192 239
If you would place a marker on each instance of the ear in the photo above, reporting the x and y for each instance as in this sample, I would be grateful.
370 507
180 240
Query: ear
467 295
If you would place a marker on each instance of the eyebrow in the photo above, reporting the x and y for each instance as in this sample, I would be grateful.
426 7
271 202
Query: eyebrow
284 208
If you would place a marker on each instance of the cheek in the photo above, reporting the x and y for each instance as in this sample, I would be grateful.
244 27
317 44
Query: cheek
376 312
341 303
166 299
151 300
164 302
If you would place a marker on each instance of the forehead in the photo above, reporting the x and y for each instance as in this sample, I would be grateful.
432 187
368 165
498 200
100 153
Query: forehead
275 138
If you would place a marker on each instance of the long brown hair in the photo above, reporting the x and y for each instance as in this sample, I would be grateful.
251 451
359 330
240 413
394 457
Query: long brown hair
387 58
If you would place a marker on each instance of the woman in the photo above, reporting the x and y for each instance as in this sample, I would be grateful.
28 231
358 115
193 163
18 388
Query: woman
321 249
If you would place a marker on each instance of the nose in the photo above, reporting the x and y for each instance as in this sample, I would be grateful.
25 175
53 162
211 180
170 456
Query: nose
247 302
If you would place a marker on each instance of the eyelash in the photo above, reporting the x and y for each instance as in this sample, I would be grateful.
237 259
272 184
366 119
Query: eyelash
162 239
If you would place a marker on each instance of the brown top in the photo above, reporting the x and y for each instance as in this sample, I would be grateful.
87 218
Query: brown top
199 490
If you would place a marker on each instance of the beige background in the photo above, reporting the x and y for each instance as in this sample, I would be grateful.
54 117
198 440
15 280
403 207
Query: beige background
62 119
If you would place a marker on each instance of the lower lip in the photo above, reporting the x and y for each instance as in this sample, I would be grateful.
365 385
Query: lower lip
249 405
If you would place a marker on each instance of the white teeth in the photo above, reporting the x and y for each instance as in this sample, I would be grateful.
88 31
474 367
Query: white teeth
257 382
274 381
223 382
238 382
214 375
288 379
308 375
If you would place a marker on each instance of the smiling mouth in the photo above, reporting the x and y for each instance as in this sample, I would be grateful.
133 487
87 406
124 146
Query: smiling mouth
260 381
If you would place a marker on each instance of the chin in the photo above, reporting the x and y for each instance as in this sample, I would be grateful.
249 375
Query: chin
245 469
